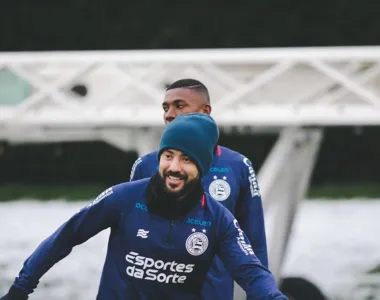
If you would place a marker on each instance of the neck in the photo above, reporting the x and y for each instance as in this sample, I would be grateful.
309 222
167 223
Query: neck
171 205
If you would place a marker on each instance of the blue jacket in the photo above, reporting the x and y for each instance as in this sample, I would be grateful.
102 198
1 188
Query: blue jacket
150 257
232 181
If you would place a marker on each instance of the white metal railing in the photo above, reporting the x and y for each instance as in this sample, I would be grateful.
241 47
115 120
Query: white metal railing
248 87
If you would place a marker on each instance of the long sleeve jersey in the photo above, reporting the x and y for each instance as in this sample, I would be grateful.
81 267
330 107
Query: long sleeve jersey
232 182
150 257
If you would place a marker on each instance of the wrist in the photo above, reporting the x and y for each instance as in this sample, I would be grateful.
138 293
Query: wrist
16 293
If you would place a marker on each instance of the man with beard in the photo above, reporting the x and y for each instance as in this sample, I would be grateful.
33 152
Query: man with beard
165 231
231 180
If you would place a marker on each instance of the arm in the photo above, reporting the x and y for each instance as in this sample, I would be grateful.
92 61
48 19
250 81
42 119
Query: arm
239 259
102 213
249 212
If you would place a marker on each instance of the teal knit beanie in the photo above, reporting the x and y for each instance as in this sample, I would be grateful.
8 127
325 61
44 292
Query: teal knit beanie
194 134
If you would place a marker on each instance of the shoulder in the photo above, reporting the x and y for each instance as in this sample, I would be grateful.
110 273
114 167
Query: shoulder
238 159
119 195
244 167
152 156
131 187
125 190
142 162
227 153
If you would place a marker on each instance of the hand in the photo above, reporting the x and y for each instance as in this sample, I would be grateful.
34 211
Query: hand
15 294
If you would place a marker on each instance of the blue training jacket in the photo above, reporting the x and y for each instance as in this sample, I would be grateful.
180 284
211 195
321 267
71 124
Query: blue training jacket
232 181
150 257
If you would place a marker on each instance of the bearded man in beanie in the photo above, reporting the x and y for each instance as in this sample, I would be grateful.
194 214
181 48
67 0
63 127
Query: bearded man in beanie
165 231
231 180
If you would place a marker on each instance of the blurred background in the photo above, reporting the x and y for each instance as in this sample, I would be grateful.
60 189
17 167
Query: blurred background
295 86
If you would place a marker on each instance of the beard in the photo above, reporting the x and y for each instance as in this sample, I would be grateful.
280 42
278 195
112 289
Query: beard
171 204
188 184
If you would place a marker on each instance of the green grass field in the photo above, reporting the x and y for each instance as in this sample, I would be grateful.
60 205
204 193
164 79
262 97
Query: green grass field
10 192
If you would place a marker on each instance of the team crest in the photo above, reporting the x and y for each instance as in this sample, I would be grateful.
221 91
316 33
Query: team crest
219 189
197 243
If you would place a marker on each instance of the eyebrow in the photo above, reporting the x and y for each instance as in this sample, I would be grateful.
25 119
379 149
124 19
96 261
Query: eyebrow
170 151
176 101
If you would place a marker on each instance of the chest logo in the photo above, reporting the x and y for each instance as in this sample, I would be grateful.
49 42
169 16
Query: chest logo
197 243
142 233
219 189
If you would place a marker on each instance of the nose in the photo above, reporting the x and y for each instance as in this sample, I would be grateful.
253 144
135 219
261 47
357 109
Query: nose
170 115
175 165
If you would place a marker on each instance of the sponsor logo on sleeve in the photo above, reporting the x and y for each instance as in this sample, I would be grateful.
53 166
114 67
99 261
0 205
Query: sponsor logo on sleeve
254 186
244 246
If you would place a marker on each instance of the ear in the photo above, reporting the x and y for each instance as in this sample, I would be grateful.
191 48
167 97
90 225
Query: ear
206 109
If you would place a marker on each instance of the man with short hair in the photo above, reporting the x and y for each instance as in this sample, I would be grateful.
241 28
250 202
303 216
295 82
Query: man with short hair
231 180
154 250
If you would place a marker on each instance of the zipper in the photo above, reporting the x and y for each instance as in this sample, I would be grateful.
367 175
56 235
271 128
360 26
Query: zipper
168 238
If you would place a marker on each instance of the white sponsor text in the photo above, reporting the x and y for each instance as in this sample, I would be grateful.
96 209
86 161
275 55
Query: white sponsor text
156 270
